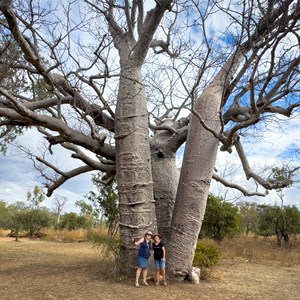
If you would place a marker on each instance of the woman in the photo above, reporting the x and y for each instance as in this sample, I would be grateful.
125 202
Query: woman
159 258
143 258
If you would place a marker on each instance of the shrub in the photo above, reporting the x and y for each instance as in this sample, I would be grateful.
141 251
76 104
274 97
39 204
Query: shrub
221 219
206 255
110 247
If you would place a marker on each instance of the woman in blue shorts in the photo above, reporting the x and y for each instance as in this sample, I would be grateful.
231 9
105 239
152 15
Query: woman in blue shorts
143 258
159 258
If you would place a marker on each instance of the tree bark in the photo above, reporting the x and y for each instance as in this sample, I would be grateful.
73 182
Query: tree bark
165 178
197 171
135 185
167 139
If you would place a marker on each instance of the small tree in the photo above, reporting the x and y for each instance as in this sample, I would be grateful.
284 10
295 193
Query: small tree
72 221
59 203
33 220
17 210
86 211
249 216
36 197
107 199
19 217
10 217
5 216
280 221
282 177
220 220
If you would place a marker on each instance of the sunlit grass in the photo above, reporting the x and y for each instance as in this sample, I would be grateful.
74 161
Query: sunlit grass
251 248
4 232
261 249
64 235
78 235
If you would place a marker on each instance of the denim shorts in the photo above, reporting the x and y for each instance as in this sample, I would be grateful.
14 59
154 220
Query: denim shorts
142 262
160 264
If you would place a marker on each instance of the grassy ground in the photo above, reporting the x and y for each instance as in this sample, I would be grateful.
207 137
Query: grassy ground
35 269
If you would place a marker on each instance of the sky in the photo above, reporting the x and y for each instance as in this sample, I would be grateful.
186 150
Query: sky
18 176
276 146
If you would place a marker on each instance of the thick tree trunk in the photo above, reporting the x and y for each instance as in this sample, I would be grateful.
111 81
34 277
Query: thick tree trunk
137 212
196 173
165 178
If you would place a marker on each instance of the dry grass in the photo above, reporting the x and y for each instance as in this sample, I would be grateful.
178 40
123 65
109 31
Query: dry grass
65 235
3 232
35 269
259 249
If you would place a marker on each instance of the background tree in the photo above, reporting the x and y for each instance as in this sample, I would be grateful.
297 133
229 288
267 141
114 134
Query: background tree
122 71
16 225
59 203
107 200
86 211
36 197
249 216
72 221
221 219
20 217
6 216
280 176
280 221
10 217
33 220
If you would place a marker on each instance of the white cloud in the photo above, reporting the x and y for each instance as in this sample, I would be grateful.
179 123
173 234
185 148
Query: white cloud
274 147
18 176
281 137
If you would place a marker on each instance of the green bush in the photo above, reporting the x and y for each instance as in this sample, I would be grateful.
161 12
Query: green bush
206 255
111 247
221 219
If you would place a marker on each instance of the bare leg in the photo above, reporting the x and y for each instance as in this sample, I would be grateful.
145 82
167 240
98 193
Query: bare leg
137 275
163 273
145 274
157 276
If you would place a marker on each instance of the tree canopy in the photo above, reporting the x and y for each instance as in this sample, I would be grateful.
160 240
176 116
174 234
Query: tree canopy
75 59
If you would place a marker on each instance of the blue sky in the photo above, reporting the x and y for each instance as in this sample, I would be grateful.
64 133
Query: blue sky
275 146
18 176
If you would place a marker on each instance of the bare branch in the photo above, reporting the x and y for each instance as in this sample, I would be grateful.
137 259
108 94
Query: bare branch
237 187
250 174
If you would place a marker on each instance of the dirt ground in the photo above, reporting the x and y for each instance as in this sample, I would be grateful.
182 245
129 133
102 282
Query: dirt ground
32 269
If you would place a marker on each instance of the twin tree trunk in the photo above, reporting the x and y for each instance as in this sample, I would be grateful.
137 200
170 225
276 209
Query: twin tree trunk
195 177
196 172
137 213
179 224
135 184
180 221
165 178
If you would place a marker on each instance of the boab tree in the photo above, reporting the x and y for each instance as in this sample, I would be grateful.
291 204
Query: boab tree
101 75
